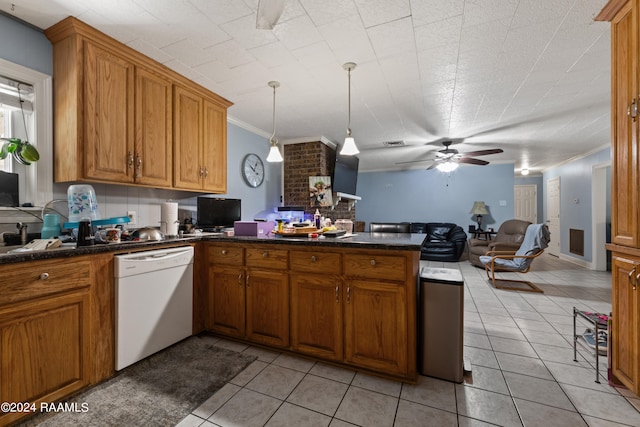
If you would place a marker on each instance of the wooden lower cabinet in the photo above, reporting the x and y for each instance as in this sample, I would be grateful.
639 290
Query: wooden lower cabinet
227 301
45 332
376 326
355 307
267 311
625 301
316 315
246 302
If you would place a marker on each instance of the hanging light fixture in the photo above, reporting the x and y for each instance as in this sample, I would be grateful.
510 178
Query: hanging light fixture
349 148
274 153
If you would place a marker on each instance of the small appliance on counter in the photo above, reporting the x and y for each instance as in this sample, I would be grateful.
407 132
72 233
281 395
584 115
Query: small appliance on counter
291 213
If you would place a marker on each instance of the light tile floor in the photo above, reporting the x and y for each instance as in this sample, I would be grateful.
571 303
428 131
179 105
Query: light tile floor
523 374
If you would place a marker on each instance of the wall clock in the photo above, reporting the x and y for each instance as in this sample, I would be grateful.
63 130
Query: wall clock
252 170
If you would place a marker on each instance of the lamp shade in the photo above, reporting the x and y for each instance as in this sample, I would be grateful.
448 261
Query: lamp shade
349 148
274 154
479 209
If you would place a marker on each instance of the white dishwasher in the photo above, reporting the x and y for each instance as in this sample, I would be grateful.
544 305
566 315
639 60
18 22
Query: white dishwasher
154 302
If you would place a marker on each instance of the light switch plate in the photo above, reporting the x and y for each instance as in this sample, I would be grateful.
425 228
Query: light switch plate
503 203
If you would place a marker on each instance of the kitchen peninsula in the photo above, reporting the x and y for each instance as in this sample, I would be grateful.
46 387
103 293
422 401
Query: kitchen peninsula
348 301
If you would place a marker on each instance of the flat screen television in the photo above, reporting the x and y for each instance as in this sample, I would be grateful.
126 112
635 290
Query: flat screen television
215 213
345 174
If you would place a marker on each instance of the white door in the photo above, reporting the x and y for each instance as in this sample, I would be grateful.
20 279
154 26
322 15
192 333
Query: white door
526 203
553 215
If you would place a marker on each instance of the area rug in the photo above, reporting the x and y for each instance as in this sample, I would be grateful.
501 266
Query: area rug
158 391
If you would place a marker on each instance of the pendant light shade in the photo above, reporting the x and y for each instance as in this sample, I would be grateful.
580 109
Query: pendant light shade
274 153
448 166
349 148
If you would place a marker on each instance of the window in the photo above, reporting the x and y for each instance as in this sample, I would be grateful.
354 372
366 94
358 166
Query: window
35 181
16 113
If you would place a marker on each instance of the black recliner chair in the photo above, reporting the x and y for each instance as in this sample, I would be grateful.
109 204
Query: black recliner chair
444 242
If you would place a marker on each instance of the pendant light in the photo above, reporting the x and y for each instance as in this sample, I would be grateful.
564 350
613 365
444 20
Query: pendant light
349 148
274 153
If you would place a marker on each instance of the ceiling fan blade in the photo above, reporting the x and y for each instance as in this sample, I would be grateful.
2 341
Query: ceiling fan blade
472 161
269 11
483 152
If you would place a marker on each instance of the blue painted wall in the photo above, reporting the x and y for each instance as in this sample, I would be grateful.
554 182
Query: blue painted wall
25 46
575 199
433 196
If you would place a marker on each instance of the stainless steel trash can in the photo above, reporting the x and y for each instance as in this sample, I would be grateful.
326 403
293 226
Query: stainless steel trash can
441 323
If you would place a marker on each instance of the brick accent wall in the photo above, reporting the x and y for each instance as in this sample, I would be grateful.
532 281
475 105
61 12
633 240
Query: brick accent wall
307 159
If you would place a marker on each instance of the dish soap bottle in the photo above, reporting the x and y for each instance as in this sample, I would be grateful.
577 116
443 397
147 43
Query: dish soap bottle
316 219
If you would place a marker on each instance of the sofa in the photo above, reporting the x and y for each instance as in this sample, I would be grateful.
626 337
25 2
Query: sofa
508 238
445 241
390 227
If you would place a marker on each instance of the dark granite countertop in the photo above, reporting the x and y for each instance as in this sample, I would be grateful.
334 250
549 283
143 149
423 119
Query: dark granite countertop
388 241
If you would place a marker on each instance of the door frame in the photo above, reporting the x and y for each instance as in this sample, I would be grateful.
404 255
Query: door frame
557 237
599 216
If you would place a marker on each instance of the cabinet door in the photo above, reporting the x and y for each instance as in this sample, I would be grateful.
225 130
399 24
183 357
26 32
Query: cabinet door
316 315
187 153
268 307
624 221
625 335
227 301
214 147
153 158
376 325
108 116
44 349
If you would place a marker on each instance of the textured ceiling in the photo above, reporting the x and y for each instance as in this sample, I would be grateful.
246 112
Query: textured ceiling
529 76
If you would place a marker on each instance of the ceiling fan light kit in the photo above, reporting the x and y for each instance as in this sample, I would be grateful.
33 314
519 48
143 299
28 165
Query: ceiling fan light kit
274 153
524 171
447 166
349 148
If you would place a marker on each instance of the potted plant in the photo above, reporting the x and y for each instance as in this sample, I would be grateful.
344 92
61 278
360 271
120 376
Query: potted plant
22 151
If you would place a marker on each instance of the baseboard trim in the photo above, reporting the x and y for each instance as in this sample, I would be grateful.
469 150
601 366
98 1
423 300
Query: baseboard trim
580 262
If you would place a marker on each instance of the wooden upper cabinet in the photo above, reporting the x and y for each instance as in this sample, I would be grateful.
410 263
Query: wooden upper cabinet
200 143
116 118
625 115
108 100
187 119
153 154
214 147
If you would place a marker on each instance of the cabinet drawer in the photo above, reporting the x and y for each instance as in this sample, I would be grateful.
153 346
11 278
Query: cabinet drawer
29 280
272 259
315 262
376 266
226 254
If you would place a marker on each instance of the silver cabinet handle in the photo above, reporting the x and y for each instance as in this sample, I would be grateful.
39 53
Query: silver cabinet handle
313 258
138 166
224 252
44 276
337 293
348 294
240 279
248 283
373 262
265 254
130 160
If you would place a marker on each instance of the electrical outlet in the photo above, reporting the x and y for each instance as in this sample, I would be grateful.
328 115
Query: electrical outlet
133 217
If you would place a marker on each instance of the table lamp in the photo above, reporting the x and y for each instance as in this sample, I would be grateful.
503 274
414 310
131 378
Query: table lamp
478 210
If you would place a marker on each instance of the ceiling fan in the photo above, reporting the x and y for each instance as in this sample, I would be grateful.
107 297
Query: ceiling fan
448 158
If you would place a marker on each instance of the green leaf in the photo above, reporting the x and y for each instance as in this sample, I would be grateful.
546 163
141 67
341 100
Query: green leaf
4 151
29 152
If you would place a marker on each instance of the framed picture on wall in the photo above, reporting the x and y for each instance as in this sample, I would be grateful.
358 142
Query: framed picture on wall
320 191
